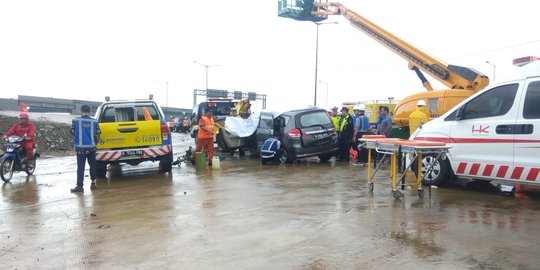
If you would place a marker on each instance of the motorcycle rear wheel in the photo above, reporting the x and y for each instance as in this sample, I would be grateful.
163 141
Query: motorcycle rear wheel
6 169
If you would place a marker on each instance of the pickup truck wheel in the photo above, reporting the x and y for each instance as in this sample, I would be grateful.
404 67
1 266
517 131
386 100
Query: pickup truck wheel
101 169
221 143
440 173
165 165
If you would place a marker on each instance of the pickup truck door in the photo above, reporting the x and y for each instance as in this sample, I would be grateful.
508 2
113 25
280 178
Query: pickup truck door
482 136
527 132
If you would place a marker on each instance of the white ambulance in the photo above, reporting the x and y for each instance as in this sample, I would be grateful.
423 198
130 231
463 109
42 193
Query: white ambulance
494 134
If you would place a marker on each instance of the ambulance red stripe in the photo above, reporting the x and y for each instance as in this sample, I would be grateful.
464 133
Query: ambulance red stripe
461 168
488 170
474 169
533 174
517 172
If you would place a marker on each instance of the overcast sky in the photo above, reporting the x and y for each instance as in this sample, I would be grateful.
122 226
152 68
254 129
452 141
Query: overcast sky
129 49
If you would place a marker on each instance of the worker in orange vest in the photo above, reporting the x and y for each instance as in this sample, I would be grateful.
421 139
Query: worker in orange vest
205 136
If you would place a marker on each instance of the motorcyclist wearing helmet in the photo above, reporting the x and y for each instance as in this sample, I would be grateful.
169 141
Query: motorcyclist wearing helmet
24 128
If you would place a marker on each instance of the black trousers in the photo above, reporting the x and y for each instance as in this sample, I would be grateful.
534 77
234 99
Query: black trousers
344 145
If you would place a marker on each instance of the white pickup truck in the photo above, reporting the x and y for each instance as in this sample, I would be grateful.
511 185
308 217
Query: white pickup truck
494 134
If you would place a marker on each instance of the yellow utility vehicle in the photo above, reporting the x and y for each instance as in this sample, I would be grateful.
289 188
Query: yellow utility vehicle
132 132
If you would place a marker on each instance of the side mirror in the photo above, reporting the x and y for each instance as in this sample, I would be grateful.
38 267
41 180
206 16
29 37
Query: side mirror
460 113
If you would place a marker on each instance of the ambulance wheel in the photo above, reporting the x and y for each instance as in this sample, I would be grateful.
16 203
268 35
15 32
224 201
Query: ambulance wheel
440 173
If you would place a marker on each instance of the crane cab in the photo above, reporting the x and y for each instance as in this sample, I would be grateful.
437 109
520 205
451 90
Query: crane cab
299 10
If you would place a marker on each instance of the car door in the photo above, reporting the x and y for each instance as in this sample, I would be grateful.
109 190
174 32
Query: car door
265 129
527 135
482 136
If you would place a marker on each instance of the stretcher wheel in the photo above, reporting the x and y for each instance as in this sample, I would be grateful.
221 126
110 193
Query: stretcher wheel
421 193
370 186
397 194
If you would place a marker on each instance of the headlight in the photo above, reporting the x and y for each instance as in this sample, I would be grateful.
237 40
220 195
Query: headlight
9 149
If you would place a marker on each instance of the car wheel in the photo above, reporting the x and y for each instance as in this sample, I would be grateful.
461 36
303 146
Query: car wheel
101 169
440 173
325 157
285 157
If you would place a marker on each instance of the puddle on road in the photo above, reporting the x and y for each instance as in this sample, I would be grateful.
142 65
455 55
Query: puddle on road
305 215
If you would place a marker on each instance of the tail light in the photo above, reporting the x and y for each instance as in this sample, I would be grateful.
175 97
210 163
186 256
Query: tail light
165 132
296 133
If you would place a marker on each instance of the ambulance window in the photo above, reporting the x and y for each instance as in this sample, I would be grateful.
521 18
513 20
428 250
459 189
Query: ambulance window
531 109
494 102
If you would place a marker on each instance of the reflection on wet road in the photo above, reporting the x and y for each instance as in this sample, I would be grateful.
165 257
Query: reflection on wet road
249 216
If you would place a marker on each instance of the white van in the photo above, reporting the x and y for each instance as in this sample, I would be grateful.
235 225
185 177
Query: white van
494 134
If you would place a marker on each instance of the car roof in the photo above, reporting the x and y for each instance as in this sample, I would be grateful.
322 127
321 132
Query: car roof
310 109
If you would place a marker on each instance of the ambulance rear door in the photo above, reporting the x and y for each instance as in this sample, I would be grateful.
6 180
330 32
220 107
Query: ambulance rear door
527 130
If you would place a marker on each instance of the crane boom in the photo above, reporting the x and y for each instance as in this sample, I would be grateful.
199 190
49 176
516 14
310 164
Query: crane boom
454 77
462 82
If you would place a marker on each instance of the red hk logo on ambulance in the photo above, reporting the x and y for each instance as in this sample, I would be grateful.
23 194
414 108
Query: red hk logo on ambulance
480 130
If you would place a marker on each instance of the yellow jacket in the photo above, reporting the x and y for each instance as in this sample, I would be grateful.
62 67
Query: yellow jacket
335 120
416 119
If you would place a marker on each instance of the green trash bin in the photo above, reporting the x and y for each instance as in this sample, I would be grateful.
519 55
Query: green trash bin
200 161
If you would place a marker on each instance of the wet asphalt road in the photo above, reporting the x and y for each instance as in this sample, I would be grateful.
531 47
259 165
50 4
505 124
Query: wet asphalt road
249 216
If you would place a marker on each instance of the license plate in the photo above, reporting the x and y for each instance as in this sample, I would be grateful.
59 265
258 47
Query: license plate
130 153
320 135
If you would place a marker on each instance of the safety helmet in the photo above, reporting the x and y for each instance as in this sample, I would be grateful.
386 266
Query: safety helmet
421 103
359 107
23 115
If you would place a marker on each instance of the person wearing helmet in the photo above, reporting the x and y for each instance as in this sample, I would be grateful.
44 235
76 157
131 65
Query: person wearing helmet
24 128
418 117
361 123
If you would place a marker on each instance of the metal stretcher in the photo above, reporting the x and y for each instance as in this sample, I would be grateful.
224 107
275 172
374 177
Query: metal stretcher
397 147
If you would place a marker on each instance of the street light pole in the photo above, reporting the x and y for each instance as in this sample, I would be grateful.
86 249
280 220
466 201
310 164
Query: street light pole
206 66
494 69
317 58
326 103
